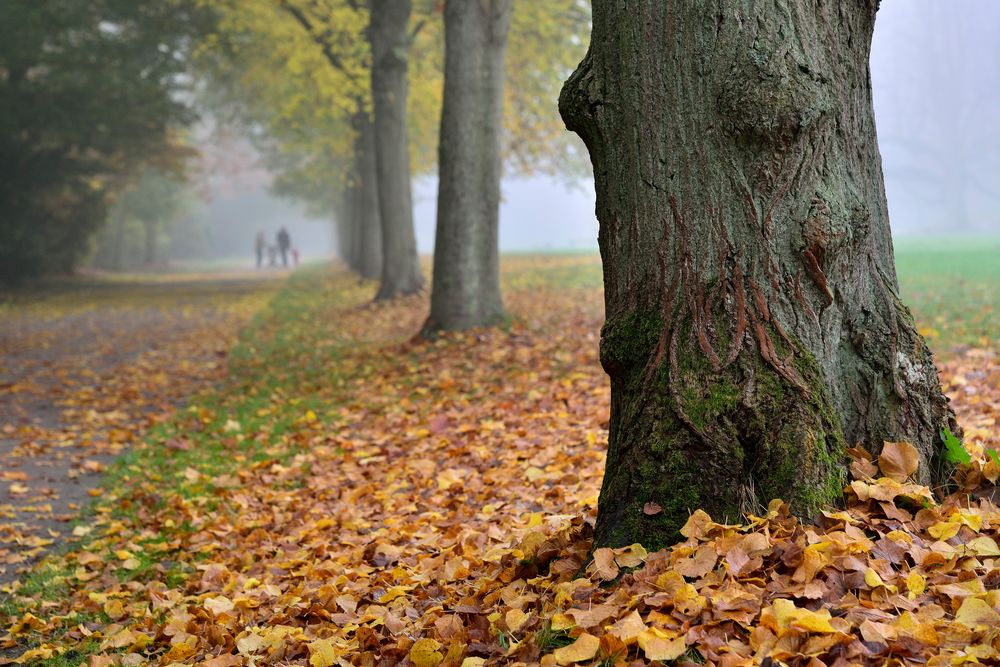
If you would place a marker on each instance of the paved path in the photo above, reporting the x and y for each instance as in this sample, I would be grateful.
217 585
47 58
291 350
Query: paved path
86 367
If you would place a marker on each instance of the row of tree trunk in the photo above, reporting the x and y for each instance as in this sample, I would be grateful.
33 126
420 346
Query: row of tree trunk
376 230
754 330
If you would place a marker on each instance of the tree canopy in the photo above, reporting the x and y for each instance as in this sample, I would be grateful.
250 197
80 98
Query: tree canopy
98 90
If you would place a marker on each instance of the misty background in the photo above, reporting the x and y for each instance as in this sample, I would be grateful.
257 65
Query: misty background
935 70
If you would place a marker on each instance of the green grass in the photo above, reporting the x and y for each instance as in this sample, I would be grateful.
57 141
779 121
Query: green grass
280 356
952 285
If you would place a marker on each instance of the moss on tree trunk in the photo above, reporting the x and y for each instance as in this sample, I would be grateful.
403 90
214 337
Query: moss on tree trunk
754 328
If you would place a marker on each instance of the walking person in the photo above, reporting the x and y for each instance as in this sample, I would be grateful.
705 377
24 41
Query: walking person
284 242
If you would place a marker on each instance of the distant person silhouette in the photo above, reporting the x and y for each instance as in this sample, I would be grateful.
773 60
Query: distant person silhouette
295 256
260 244
284 242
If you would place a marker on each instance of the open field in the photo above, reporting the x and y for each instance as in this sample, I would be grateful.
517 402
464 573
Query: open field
953 287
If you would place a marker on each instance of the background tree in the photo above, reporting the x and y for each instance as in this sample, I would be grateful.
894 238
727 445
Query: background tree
754 327
141 221
92 92
389 35
291 74
466 287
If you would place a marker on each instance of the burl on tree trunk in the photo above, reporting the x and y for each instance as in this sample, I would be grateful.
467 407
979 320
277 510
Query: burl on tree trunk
754 328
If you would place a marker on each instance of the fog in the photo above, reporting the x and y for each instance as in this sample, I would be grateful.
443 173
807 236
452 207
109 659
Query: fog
936 77
935 71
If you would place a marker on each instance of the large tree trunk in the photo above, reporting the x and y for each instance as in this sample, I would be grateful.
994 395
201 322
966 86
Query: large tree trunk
390 39
754 328
368 225
466 283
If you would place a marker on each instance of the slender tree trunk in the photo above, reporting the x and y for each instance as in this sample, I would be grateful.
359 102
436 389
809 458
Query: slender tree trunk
389 36
345 223
118 254
369 226
466 287
754 327
149 230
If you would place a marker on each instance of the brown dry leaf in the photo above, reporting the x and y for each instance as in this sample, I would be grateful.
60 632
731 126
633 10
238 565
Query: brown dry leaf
603 565
447 512
223 661
898 460
698 565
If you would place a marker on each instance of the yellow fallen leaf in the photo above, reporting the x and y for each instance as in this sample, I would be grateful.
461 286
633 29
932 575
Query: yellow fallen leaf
250 643
182 650
944 530
322 653
983 546
424 653
584 648
114 609
697 525
44 652
633 555
873 579
628 628
393 593
219 605
515 619
976 613
658 645
27 623
562 622
916 584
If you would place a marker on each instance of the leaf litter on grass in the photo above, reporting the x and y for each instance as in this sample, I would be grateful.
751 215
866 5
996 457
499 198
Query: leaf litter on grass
353 497
88 368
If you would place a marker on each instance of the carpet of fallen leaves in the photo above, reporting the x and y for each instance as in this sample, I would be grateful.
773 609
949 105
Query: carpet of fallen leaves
87 368
353 497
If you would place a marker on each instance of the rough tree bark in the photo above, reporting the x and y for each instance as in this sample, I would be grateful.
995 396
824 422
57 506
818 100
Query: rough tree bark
754 327
367 223
465 291
389 37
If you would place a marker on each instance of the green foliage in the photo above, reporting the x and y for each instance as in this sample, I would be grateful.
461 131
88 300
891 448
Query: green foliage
296 72
90 93
549 640
141 221
954 452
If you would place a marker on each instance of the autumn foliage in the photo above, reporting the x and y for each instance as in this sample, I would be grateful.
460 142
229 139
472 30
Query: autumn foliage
351 496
